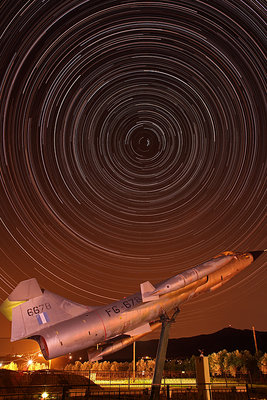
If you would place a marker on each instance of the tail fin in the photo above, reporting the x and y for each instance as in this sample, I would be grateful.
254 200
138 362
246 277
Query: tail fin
25 290
22 292
34 309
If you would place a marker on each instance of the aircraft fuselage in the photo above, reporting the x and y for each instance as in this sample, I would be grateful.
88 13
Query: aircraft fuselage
126 315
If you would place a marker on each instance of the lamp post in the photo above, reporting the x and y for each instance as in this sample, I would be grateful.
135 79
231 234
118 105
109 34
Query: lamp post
255 340
133 361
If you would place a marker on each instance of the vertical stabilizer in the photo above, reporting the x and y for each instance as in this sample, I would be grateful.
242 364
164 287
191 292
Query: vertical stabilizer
25 290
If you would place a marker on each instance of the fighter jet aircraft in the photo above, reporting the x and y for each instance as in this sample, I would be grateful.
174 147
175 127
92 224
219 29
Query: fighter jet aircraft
61 326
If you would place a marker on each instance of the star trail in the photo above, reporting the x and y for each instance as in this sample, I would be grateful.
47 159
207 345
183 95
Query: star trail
133 146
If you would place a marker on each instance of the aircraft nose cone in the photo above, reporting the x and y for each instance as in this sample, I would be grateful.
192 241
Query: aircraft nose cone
256 254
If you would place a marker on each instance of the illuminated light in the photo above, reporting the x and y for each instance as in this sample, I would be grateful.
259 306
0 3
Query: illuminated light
29 362
45 395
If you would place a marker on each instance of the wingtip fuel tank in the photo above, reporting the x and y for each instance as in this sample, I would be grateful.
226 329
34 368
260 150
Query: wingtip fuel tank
61 326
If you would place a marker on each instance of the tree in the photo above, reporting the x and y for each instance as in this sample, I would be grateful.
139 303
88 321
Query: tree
105 366
249 363
214 364
35 366
77 366
190 365
234 362
114 366
69 367
222 355
262 364
86 366
95 366
150 366
172 365
12 366
125 366
141 365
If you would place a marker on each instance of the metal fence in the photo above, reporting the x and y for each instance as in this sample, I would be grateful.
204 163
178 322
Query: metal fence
118 375
121 392
123 385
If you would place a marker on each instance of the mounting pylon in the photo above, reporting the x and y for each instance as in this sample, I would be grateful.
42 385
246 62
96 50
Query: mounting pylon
161 354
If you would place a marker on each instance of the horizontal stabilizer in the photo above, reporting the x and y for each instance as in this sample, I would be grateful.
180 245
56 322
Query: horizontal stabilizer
7 306
140 330
25 290
146 291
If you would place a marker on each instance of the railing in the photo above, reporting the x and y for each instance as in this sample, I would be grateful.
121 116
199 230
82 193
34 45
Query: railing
117 375
120 391
65 385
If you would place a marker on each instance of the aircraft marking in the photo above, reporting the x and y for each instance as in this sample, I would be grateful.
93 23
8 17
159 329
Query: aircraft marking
38 309
129 303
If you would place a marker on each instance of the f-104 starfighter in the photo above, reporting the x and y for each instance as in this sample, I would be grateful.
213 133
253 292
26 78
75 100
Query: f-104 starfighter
61 326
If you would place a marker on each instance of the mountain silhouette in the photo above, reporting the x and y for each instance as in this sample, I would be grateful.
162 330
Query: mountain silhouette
228 338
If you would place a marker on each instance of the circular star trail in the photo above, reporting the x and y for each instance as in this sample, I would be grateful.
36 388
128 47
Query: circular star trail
133 142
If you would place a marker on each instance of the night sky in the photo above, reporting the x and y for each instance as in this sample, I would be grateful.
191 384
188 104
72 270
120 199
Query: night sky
133 146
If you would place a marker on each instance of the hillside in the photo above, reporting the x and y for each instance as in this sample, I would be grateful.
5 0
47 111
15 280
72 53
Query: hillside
227 338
